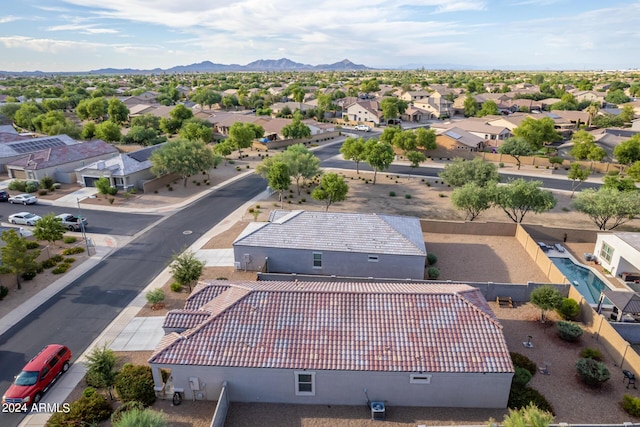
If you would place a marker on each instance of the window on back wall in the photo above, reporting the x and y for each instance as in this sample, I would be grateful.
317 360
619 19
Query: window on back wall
606 252
373 258
317 260
305 383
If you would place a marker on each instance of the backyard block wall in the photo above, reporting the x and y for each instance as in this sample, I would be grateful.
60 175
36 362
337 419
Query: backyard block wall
472 228
539 257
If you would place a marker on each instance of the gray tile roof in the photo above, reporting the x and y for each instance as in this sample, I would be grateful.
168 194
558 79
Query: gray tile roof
384 327
338 231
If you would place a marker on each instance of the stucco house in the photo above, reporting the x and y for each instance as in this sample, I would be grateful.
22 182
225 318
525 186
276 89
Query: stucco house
14 146
60 161
125 171
333 243
619 252
363 111
459 139
407 344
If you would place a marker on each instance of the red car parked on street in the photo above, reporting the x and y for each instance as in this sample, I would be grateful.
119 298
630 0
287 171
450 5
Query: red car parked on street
37 376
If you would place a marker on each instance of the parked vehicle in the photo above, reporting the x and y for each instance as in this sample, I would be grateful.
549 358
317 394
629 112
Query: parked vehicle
362 127
37 376
25 199
24 218
72 222
4 196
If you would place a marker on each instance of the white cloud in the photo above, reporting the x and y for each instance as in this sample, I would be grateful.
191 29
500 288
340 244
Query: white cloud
7 19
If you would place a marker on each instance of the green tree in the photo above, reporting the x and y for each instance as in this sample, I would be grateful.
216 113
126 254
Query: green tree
108 131
473 199
16 258
279 178
184 158
101 368
404 140
592 110
608 207
519 197
577 175
224 149
103 184
426 139
628 152
49 228
354 149
296 129
118 111
616 96
537 132
147 121
181 113
389 107
583 143
389 134
489 108
627 114
332 188
143 136
206 96
242 135
546 298
379 155
25 115
516 147
529 416
633 171
613 179
197 130
302 163
461 172
470 106
88 131
186 268
415 157
92 109
369 86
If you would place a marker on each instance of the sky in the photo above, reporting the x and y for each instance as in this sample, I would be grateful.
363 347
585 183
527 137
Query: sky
85 35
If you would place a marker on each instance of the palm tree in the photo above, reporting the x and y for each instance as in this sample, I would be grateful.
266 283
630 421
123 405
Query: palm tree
592 110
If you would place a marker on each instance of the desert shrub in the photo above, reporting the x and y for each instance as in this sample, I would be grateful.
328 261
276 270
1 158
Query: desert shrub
69 239
49 263
42 192
18 185
569 331
155 296
432 258
32 244
125 407
61 268
433 272
521 397
392 193
57 258
592 372
39 267
89 391
631 405
521 378
569 309
84 411
28 275
175 287
46 182
70 260
73 251
592 353
407 196
144 417
32 186
522 361
4 291
135 383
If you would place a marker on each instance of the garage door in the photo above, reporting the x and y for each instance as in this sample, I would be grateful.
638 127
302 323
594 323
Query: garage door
90 181
19 173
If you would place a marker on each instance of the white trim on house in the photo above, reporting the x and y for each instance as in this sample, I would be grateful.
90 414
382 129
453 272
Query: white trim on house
305 386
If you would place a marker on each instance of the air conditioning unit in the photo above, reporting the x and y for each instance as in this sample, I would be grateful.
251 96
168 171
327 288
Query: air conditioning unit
194 383
237 265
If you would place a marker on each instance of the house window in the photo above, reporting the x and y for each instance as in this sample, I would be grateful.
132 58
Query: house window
606 252
373 258
305 383
420 379
317 260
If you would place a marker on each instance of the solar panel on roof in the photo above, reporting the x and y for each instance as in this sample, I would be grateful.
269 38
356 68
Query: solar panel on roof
144 154
36 145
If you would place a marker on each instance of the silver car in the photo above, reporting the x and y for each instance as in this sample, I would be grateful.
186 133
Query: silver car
25 199
24 218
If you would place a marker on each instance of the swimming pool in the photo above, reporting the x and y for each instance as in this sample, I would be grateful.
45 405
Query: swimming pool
588 284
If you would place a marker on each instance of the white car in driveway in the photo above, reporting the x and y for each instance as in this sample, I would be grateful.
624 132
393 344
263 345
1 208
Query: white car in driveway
24 218
25 199
364 128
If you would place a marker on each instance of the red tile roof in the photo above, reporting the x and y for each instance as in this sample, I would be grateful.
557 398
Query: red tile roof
394 327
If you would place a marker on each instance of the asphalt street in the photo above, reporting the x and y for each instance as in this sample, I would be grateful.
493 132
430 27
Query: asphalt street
78 314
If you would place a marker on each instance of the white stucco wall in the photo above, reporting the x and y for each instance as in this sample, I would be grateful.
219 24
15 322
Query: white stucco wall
625 257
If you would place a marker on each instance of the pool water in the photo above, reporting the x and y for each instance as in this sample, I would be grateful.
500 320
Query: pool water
589 285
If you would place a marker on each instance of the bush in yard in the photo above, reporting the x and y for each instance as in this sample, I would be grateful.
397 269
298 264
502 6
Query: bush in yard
73 251
18 185
592 353
4 291
631 405
49 263
432 258
592 372
120 410
89 391
84 411
28 275
569 331
145 417
32 244
31 187
433 272
569 309
521 378
525 396
175 287
522 361
69 239
135 383
530 416
46 182
155 296
546 298
101 368
61 268
57 258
